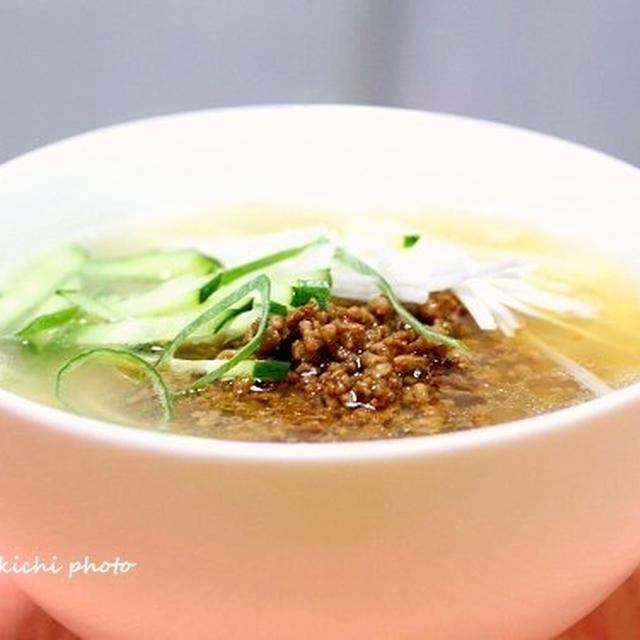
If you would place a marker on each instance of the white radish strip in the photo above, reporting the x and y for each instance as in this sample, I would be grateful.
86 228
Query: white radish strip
528 293
554 286
426 284
514 266
476 307
513 303
505 320
582 376
557 303
351 286
406 293
356 290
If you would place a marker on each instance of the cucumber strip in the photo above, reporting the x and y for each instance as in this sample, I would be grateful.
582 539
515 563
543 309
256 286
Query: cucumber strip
241 323
307 290
277 309
259 369
37 282
353 262
153 266
229 314
81 388
262 285
281 293
309 261
279 303
174 295
52 304
238 326
134 331
213 286
48 321
320 275
89 305
311 264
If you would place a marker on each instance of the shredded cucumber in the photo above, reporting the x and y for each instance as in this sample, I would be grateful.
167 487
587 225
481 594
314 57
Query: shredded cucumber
177 294
48 321
277 309
134 331
259 369
153 266
37 282
229 314
89 305
311 258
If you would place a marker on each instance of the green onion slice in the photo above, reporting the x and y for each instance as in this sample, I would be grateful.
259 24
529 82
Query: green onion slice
353 262
262 285
241 270
307 290
114 385
409 240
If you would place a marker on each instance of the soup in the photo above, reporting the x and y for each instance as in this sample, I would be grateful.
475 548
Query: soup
311 327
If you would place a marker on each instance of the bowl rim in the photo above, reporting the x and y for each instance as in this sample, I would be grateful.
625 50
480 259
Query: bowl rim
173 444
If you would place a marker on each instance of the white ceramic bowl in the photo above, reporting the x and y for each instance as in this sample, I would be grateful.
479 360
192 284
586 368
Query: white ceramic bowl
512 531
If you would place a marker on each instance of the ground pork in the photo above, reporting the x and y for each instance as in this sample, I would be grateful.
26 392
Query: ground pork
359 372
359 355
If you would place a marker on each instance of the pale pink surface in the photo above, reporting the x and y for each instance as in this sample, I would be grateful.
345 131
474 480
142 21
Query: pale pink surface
21 620
617 618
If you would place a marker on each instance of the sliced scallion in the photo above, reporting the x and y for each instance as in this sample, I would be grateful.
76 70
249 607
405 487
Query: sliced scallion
235 273
262 285
352 261
307 290
409 240
81 388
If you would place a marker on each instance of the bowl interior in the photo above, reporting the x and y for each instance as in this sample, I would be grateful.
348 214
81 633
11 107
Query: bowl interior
340 158
350 159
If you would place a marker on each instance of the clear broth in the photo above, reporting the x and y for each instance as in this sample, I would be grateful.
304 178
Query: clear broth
608 345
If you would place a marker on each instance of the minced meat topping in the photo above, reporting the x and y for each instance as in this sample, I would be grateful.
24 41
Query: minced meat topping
357 371
355 355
